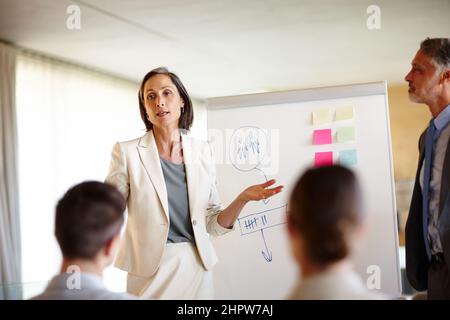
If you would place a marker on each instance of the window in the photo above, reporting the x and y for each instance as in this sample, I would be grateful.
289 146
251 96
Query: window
68 120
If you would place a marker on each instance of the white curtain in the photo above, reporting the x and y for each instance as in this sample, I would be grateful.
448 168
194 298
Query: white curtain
10 251
68 120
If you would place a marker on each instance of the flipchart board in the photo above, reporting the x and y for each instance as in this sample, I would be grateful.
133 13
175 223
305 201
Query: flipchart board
278 135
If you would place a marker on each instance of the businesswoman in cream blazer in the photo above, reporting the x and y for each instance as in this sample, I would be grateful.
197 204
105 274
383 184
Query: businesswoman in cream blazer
168 179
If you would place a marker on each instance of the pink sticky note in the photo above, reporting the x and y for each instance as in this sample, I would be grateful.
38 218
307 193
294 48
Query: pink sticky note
323 159
322 136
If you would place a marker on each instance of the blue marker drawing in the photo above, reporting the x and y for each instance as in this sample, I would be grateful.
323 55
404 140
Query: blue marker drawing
267 256
246 151
247 148
260 221
248 145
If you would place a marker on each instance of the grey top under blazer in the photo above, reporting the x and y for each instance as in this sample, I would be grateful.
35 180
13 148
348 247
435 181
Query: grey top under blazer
180 229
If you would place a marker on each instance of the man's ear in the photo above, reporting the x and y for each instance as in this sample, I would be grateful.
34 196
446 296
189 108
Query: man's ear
446 75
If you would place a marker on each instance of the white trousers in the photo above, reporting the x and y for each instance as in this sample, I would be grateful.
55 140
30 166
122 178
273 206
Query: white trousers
181 275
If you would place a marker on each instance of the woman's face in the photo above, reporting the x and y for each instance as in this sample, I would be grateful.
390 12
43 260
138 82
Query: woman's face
162 101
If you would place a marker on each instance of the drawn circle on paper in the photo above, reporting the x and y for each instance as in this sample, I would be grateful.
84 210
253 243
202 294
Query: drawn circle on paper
247 148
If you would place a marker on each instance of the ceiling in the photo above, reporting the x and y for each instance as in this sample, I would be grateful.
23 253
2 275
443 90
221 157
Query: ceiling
221 48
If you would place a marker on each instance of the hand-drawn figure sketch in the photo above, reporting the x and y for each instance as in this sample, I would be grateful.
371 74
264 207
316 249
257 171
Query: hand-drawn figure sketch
247 149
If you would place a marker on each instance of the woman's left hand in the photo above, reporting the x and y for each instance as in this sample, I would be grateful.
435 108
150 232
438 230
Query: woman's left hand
260 191
257 192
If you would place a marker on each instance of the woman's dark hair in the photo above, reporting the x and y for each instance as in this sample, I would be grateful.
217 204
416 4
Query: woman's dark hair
187 116
325 208
87 217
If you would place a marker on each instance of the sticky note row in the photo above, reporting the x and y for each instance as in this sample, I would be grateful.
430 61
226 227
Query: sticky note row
324 136
323 116
346 158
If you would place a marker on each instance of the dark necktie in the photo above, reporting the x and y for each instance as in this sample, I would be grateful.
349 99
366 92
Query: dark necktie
429 141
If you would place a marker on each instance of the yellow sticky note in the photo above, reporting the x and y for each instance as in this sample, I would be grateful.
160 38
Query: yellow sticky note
322 116
345 134
344 113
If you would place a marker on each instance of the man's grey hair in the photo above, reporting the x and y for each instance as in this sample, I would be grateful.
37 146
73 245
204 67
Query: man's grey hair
438 49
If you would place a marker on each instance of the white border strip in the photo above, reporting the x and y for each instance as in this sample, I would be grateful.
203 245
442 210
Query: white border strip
280 97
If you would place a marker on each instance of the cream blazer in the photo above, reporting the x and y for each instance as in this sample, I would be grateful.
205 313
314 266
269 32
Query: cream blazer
135 170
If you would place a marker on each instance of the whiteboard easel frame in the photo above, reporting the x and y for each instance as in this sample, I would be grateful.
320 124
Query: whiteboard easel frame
313 94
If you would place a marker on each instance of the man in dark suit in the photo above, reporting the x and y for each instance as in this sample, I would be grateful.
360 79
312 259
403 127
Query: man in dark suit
428 224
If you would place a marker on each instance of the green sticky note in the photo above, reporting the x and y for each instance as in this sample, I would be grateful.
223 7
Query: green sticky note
345 134
322 116
344 113
348 157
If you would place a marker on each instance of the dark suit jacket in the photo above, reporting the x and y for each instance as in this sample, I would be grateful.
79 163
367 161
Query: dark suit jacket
417 261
